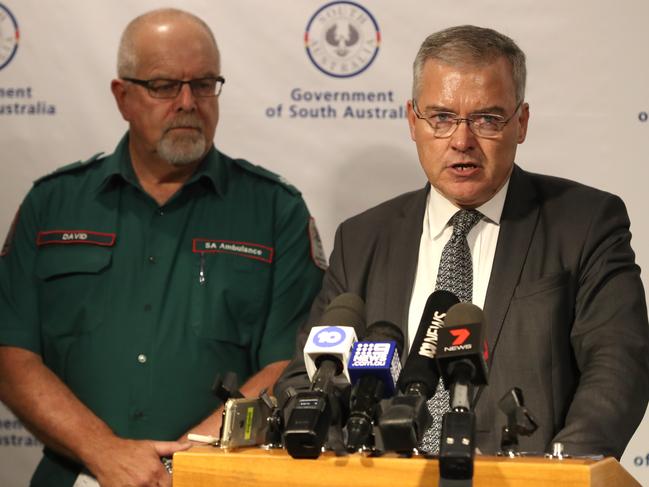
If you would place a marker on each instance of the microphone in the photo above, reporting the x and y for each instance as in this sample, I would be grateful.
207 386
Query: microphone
326 354
461 355
374 368
406 416
328 346
420 373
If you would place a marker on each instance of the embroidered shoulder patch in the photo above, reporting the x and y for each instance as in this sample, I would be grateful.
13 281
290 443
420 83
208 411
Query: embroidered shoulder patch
86 237
242 249
317 250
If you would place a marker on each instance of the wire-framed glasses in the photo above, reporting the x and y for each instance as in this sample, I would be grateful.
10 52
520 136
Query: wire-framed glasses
444 124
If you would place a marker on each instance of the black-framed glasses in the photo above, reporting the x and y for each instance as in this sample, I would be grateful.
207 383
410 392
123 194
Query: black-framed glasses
170 88
444 124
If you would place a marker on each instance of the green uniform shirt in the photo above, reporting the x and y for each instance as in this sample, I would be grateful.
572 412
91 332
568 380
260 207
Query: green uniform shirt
137 307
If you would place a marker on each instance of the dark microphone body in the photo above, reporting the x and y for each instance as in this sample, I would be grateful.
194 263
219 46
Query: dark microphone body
406 416
326 354
461 355
374 368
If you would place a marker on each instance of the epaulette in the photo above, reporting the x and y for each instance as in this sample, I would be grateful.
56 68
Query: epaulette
70 168
265 173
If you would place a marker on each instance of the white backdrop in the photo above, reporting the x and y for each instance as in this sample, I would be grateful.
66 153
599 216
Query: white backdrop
588 91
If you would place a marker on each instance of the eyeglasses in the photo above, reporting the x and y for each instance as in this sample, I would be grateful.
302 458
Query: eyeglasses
170 88
444 124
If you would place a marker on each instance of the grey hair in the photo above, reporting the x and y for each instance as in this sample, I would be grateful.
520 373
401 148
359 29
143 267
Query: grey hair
470 45
127 54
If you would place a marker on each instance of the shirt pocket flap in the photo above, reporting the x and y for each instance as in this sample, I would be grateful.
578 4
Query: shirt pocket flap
60 260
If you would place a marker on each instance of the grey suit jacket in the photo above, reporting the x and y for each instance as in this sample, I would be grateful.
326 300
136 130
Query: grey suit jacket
565 309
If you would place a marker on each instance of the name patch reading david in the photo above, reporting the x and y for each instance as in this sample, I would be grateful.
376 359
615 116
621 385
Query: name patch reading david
243 249
86 237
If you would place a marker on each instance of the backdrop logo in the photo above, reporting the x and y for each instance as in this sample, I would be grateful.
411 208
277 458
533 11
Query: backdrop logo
9 36
342 39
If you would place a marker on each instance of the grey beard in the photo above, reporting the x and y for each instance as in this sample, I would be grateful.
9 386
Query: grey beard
180 152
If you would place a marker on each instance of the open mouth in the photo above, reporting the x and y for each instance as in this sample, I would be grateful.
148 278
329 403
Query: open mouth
464 166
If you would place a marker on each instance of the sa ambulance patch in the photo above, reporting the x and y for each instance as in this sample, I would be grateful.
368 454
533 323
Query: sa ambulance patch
242 249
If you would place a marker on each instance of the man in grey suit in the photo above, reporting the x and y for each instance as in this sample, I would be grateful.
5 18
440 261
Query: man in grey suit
553 269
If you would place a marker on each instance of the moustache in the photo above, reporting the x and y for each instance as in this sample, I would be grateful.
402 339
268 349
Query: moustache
184 121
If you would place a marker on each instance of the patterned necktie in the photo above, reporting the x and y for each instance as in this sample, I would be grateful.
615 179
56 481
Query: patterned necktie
455 274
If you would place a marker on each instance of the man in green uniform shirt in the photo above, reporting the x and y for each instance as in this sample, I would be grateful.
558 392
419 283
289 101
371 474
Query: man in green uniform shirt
129 281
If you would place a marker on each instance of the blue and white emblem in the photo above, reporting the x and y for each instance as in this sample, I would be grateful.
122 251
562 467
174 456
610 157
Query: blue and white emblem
329 337
342 39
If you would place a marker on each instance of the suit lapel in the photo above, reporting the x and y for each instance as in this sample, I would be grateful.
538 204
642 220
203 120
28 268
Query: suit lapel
517 225
402 237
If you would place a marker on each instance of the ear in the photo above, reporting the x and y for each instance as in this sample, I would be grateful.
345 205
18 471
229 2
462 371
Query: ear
522 120
120 93
412 119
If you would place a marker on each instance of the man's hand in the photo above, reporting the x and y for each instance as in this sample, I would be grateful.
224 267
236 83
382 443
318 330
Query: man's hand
134 463
65 424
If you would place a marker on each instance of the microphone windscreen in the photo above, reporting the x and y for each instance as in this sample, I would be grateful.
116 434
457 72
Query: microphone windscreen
420 366
462 340
463 314
378 355
380 331
346 309
341 322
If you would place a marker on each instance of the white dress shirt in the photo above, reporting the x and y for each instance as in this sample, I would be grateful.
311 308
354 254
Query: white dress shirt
436 231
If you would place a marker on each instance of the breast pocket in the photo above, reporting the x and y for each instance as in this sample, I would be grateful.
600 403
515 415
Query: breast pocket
229 297
536 333
542 312
73 287
543 285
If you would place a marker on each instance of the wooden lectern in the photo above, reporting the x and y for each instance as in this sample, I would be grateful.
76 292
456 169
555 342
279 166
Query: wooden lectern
209 466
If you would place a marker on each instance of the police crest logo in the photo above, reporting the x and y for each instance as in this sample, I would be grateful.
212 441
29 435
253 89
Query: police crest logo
342 39
9 36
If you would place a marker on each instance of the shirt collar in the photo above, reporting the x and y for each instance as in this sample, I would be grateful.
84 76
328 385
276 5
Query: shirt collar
117 166
111 169
211 170
440 210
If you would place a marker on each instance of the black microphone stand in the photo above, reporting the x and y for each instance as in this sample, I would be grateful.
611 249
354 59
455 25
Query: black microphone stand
457 441
520 421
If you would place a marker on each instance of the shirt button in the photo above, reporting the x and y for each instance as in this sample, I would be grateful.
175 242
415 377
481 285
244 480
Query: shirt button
141 358
161 212
138 415
147 307
152 259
